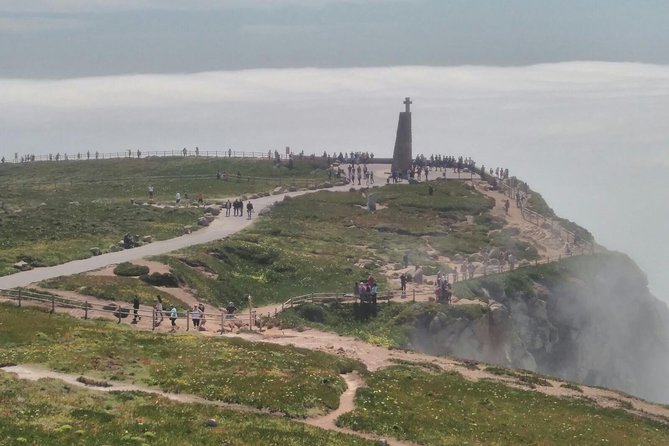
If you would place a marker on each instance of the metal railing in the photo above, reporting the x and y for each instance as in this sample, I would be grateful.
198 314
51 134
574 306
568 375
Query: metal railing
97 155
330 297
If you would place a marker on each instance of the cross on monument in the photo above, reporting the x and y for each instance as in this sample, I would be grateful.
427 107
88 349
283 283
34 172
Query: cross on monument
407 102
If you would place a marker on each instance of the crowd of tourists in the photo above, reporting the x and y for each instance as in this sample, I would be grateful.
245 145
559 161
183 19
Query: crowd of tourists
366 290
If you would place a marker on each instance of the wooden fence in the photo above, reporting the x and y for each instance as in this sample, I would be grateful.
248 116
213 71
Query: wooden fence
221 319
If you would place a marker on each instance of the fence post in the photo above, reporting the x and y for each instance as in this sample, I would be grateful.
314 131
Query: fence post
19 297
187 320
155 319
414 294
86 310
53 303
222 322
250 314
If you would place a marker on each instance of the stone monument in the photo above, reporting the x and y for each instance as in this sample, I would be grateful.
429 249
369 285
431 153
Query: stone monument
402 156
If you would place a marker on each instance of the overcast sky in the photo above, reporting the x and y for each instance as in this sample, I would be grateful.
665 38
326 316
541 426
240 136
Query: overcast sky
74 38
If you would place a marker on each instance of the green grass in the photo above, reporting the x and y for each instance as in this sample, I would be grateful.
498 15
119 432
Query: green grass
54 212
446 409
119 289
49 412
59 231
282 379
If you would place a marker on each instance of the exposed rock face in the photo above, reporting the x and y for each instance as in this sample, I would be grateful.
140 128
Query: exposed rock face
596 324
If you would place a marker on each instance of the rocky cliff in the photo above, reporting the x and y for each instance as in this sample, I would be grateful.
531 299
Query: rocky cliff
588 319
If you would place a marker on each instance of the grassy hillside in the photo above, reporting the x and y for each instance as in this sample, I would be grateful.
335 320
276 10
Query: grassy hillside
323 242
281 379
50 413
54 212
444 409
417 401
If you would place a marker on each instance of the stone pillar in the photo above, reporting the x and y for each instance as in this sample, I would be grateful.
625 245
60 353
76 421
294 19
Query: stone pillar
402 156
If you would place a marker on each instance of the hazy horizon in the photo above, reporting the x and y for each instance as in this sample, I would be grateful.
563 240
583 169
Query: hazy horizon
590 136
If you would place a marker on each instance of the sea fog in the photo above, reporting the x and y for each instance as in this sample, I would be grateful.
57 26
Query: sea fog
591 137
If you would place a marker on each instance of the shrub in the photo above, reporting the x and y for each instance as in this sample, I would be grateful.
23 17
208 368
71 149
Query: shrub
312 313
159 279
129 269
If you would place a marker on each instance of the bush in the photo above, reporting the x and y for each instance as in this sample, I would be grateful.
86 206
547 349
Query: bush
312 313
159 279
129 269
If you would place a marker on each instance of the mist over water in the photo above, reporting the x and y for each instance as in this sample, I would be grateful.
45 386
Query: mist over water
591 137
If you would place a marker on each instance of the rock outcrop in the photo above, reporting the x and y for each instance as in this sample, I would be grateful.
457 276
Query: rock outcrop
590 320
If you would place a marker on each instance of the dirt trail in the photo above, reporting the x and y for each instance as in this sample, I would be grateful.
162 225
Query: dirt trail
327 422
547 243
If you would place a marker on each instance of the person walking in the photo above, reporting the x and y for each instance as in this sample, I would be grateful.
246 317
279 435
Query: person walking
177 198
249 209
228 205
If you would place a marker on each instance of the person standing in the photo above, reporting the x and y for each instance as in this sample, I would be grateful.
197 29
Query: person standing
159 309
196 315
228 205
203 317
150 191
249 209
173 318
135 310
177 198
230 310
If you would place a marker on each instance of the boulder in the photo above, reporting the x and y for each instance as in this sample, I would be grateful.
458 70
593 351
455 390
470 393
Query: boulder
209 217
212 210
96 251
116 247
477 257
210 423
188 229
277 190
418 276
264 211
147 239
202 221
122 312
22 266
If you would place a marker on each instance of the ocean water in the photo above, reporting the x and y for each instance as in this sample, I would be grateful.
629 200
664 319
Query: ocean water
591 137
